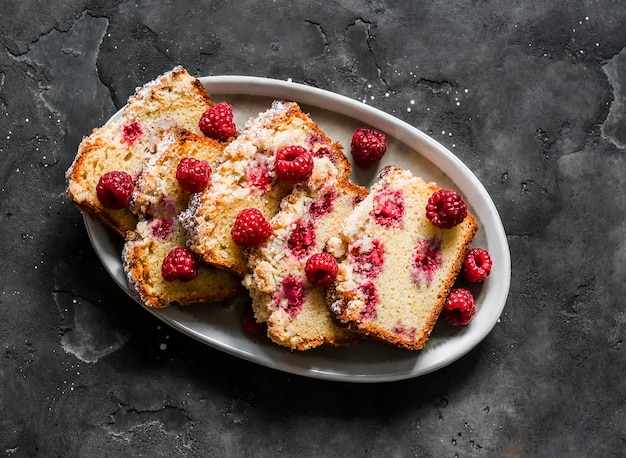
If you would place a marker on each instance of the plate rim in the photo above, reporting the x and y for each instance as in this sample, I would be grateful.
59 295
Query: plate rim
436 153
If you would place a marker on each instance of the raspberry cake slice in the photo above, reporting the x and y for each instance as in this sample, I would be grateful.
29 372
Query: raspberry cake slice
143 255
396 266
160 196
295 310
247 178
173 99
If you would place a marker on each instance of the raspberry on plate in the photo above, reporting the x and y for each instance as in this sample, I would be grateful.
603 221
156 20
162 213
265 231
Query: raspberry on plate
250 324
446 208
193 175
459 307
321 269
250 228
179 264
115 189
368 146
477 265
293 164
217 122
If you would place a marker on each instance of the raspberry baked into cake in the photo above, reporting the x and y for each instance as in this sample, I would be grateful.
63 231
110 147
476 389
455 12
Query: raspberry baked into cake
288 294
399 256
173 99
246 179
159 268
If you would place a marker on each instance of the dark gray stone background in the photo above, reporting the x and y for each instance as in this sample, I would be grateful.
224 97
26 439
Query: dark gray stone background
534 95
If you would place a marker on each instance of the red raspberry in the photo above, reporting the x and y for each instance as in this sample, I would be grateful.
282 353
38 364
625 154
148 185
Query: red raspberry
459 307
367 262
249 323
321 269
162 228
323 206
193 175
217 122
115 189
388 208
179 264
446 209
368 146
294 293
250 228
293 164
371 298
302 239
477 265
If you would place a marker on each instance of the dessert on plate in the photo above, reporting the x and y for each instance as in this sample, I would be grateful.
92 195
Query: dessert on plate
287 280
173 99
158 266
397 265
247 179
324 261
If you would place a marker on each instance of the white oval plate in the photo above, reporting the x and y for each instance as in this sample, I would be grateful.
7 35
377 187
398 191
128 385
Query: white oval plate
219 326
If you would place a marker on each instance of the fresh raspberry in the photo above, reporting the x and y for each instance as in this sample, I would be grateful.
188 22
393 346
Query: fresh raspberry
217 122
250 324
477 265
179 264
293 164
446 209
368 146
321 269
193 175
459 307
115 189
250 228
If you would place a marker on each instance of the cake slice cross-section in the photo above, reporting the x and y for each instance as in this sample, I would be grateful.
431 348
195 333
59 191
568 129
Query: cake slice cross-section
293 308
396 267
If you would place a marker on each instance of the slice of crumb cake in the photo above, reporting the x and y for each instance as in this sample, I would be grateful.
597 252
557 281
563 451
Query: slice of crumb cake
247 179
159 198
143 255
173 99
396 266
295 310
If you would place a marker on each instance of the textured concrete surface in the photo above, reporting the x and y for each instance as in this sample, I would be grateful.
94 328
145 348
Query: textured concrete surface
530 95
